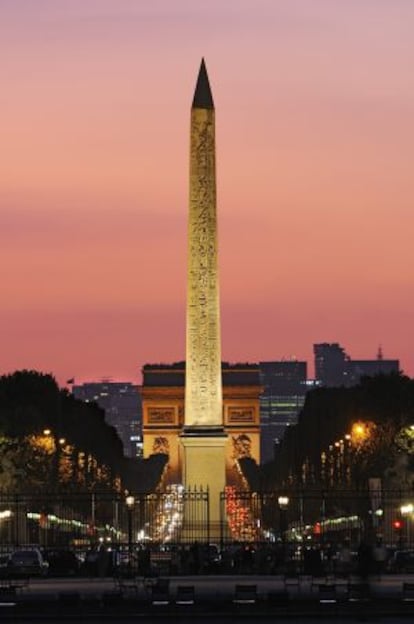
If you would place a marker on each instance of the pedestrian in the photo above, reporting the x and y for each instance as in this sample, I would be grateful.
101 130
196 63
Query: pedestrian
345 559
102 561
364 560
379 554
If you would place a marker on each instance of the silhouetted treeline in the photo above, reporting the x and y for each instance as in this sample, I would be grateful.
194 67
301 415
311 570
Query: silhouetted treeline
328 416
79 451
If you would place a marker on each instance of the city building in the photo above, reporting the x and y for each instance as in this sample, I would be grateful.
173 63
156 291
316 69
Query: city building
284 387
330 361
356 369
335 368
121 402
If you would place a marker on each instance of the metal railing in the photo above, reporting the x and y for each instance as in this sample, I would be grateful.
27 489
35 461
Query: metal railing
180 517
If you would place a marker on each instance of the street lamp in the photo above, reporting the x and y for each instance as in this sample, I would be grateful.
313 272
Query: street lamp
130 502
407 513
360 432
51 445
283 502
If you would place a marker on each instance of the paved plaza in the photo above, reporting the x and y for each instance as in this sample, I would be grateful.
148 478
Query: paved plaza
211 597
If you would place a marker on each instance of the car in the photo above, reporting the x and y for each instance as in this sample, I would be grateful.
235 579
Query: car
4 559
213 553
62 562
402 561
211 558
99 562
25 562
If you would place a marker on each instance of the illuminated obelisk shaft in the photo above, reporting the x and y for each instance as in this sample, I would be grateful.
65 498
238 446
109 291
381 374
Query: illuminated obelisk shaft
203 439
203 389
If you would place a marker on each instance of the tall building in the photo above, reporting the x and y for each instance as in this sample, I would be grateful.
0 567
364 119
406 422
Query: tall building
284 387
330 361
334 368
121 402
356 369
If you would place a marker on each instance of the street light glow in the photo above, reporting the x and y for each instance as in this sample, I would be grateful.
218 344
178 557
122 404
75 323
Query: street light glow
361 431
407 509
130 501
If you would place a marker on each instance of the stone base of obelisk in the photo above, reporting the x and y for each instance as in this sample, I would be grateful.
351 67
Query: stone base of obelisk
204 470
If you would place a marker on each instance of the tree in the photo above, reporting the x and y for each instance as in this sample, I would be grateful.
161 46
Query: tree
49 438
386 401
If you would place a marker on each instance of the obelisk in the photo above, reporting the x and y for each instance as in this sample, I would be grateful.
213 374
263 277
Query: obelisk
203 438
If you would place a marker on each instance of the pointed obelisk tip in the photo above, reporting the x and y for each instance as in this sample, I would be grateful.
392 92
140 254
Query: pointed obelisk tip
202 94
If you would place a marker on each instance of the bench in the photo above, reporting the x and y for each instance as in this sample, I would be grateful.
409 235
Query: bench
407 594
327 594
10 585
185 595
245 594
160 592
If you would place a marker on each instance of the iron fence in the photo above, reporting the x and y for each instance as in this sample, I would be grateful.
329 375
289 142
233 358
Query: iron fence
319 516
79 520
180 517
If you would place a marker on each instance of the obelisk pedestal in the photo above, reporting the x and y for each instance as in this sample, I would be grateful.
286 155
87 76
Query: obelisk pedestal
203 438
204 471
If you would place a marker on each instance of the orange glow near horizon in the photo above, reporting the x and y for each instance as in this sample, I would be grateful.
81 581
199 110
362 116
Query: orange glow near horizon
314 103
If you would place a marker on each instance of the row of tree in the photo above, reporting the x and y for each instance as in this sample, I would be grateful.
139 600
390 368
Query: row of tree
49 440
345 436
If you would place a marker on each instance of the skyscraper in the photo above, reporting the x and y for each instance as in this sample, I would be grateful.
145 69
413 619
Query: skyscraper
122 404
330 361
284 390
335 368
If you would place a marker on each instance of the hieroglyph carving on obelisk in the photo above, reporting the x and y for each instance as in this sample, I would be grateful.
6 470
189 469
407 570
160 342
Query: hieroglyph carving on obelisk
203 388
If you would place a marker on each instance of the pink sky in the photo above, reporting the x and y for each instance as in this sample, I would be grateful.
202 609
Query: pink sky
315 136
